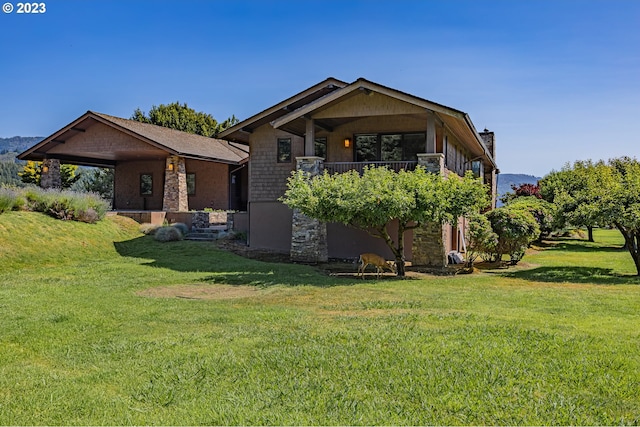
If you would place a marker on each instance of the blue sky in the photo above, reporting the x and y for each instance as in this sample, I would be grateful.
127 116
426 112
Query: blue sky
557 81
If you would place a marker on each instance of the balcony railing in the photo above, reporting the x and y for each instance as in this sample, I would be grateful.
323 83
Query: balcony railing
341 167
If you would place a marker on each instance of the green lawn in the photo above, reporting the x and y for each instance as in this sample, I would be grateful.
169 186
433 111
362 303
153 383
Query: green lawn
101 325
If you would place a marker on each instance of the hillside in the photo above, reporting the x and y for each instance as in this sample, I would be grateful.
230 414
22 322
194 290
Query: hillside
506 180
18 143
10 147
65 241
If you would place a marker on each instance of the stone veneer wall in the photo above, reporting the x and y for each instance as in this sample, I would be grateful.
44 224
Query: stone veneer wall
428 245
175 186
51 178
308 235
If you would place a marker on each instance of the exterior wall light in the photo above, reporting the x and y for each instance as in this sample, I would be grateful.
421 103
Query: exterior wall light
171 166
45 169
347 142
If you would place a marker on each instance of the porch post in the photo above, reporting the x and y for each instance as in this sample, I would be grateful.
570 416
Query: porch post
428 247
175 186
50 174
431 133
308 235
309 138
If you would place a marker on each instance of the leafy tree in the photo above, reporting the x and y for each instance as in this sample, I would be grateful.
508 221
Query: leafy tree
99 181
181 117
575 191
618 201
32 172
379 196
522 190
516 229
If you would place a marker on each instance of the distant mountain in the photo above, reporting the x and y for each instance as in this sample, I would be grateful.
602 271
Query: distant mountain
506 180
10 147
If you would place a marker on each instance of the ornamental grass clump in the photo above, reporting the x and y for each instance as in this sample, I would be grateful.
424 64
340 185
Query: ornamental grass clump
148 228
168 234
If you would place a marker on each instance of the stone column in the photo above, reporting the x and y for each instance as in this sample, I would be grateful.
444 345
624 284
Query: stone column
308 235
175 186
433 162
50 174
428 246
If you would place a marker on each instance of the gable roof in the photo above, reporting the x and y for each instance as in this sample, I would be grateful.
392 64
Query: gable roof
280 117
168 140
241 130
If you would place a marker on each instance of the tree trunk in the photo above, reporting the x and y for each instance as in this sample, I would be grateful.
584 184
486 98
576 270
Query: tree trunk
399 252
590 232
632 242
396 248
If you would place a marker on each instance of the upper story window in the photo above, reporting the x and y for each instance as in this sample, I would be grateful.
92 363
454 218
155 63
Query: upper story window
389 147
284 150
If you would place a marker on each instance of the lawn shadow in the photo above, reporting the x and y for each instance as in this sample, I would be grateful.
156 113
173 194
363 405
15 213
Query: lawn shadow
223 267
575 245
591 275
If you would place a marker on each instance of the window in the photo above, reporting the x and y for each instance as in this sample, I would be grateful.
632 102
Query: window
284 150
191 184
146 184
320 147
477 168
389 147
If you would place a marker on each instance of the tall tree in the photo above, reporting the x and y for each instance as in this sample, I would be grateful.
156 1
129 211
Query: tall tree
379 196
181 117
575 191
619 201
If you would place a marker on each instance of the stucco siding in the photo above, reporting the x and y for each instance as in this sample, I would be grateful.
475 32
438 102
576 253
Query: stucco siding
212 185
347 242
127 185
270 226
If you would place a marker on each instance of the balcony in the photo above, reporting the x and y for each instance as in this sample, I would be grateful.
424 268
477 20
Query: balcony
341 167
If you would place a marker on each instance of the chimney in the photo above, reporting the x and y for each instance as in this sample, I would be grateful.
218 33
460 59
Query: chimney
489 139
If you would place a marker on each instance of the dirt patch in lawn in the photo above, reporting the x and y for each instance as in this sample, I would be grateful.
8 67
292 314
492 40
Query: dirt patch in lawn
201 292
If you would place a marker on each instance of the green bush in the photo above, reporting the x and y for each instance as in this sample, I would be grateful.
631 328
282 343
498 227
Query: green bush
9 200
168 234
516 229
542 211
482 241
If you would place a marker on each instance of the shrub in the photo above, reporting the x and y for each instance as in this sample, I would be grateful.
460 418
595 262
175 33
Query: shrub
541 210
10 200
62 204
168 234
516 229
482 241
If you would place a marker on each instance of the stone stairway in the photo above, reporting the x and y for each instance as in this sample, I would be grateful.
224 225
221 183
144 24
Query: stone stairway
210 233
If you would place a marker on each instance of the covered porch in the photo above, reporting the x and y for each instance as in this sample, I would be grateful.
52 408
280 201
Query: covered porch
155 168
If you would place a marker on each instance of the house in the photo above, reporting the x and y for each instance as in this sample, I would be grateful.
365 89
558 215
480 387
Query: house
338 126
156 168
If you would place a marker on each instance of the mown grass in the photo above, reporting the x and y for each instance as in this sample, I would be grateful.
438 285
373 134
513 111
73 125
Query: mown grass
84 341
